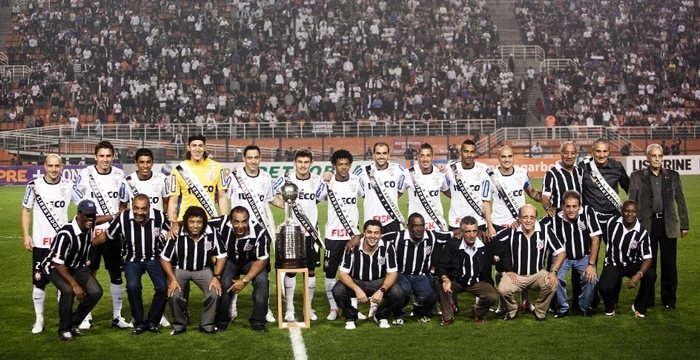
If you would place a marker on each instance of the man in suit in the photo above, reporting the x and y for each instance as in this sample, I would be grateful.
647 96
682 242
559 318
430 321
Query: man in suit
657 191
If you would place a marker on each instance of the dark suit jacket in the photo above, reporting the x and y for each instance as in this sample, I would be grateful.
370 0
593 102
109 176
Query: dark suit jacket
492 253
641 192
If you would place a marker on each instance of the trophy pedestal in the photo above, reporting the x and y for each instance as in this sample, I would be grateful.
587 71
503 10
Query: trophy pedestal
305 307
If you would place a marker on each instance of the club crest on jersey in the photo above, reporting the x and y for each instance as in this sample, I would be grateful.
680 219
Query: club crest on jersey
247 247
496 258
353 188
37 275
208 245
428 250
540 244
64 191
211 174
633 244
581 225
156 186
381 260
156 232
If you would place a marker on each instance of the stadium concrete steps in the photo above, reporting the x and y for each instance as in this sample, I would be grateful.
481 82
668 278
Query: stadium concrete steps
5 24
503 15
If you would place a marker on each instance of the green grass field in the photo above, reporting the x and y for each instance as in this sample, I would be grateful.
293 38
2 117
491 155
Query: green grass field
662 334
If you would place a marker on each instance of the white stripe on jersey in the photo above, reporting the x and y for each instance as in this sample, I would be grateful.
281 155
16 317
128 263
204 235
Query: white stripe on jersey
346 192
432 185
514 183
309 190
260 188
475 178
156 188
393 179
57 196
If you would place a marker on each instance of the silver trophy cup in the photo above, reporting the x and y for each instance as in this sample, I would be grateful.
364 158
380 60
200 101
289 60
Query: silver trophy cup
290 243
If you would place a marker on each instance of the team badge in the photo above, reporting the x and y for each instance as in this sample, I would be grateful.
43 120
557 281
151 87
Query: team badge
247 247
381 260
540 244
581 225
211 175
156 186
353 188
208 245
496 258
156 232
37 275
64 192
428 250
633 244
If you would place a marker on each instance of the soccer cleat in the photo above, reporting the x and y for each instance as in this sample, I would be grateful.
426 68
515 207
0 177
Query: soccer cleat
75 332
164 322
332 315
86 324
38 327
312 315
361 316
269 317
423 319
66 336
121 323
289 316
372 310
611 313
637 314
383 324
397 322
350 325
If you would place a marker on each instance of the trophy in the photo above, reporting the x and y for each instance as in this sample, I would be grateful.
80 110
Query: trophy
290 244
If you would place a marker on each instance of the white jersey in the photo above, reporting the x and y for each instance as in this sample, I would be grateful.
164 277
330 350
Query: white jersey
431 185
107 185
309 191
260 188
346 192
392 180
513 184
57 198
155 187
476 182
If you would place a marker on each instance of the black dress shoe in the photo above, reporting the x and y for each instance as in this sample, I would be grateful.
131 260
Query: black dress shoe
539 318
212 331
560 315
178 332
586 313
669 307
259 328
66 336
508 317
154 329
138 331
75 332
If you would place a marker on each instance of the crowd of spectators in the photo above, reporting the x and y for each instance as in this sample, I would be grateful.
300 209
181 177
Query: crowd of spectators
170 62
638 60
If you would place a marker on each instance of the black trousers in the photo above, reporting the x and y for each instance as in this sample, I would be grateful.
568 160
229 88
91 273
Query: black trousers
93 292
664 249
610 285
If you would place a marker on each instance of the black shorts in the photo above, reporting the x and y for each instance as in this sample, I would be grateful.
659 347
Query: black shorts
111 252
313 257
39 279
333 256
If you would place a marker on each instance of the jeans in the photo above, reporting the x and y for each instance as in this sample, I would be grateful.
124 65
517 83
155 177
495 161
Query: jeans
422 287
587 289
133 271
93 292
261 293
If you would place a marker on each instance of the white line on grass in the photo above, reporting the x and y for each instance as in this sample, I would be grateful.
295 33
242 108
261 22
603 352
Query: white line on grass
297 343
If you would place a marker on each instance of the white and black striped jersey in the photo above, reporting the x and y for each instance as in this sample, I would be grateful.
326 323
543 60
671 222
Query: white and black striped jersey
476 181
259 187
392 180
309 191
514 186
187 254
367 267
255 246
432 185
528 255
625 247
106 184
56 197
155 187
140 243
71 248
414 258
558 180
346 192
576 236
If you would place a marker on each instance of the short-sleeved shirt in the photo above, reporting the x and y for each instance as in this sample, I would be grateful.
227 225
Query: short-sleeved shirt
107 185
155 187
431 185
475 180
392 180
71 248
208 173
367 267
186 254
56 197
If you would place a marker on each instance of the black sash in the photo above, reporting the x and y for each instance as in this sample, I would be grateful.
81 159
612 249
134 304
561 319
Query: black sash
382 199
463 190
132 186
249 199
196 191
45 209
339 211
98 194
424 201
502 193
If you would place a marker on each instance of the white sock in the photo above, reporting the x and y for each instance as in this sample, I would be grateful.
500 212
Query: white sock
523 296
290 285
312 288
234 300
329 293
39 295
353 302
117 292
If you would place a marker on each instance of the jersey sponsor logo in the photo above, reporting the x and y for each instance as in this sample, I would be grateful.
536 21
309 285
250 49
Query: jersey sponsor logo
209 188
383 218
474 188
349 201
58 203
47 240
244 197
306 196
110 194
339 233
155 200
516 193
